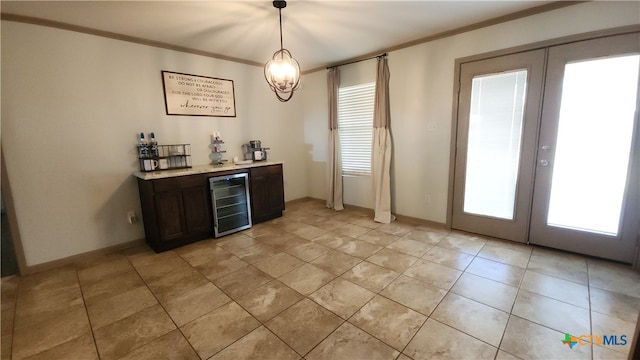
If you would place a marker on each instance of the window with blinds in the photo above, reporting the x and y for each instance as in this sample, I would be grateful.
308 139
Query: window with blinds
355 124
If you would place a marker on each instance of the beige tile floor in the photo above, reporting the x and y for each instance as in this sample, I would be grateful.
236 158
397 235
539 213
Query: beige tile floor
319 284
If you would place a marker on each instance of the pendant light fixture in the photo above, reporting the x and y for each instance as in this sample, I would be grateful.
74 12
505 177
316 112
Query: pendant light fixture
282 72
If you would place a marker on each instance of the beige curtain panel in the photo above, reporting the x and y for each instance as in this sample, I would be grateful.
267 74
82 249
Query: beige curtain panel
382 146
334 163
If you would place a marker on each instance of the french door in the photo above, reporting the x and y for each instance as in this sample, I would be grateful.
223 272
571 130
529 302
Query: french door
499 107
567 184
583 198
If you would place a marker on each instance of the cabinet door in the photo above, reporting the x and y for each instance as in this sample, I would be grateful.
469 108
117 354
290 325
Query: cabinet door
197 213
259 195
170 213
276 190
267 193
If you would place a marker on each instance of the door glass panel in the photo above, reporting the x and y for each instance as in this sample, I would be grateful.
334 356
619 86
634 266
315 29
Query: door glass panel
593 144
493 150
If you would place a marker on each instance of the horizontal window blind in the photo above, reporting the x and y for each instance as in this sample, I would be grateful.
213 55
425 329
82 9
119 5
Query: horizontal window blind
355 124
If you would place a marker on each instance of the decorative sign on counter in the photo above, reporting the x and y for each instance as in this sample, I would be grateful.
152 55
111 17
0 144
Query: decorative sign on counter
186 94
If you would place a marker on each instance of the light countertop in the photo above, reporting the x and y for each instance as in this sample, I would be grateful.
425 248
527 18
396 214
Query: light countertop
201 169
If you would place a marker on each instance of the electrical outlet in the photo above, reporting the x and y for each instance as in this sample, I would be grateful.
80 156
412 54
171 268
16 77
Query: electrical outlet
427 198
131 216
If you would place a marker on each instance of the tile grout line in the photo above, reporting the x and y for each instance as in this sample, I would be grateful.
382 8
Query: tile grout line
449 291
402 352
312 300
240 305
504 332
231 299
340 276
146 284
86 310
161 305
15 315
303 298
435 307
378 294
590 311
75 271
392 300
226 294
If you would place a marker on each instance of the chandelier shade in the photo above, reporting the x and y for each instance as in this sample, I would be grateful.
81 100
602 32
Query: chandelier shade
282 72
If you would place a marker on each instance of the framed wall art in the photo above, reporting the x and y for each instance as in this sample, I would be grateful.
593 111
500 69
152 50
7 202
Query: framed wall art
186 94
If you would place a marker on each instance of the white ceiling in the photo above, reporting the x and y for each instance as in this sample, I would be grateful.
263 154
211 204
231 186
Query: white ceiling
318 33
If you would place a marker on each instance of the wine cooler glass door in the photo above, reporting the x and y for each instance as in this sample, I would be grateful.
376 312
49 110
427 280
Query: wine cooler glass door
231 205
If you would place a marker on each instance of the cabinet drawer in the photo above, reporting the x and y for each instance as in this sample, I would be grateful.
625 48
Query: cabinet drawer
266 170
181 182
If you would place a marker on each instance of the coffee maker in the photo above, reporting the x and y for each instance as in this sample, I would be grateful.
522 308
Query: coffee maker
254 151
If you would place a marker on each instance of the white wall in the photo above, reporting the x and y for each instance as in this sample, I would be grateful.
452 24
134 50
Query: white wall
421 97
72 105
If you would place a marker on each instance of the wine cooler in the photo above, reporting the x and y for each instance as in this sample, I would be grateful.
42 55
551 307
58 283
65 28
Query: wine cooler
231 205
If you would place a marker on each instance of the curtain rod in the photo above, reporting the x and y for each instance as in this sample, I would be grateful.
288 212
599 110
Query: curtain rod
355 61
